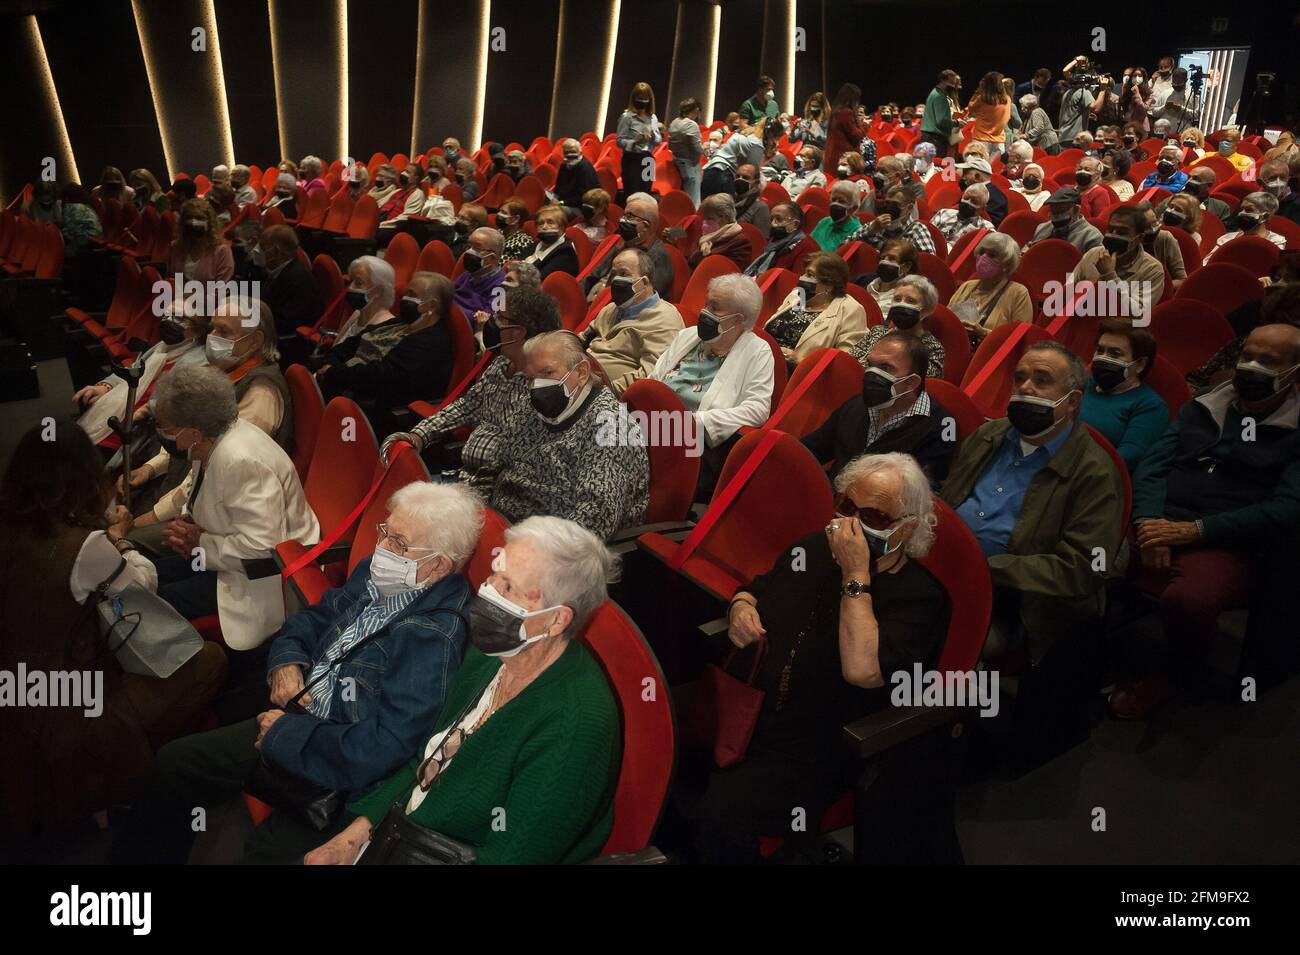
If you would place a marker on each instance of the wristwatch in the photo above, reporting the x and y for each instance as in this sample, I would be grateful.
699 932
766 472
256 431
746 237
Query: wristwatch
855 588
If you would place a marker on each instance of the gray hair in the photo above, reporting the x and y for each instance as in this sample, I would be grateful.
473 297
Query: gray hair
577 567
308 164
220 171
1003 248
199 397
917 500
651 207
565 142
388 169
645 265
1076 374
742 292
241 172
977 190
250 310
1022 149
721 205
516 152
495 239
382 277
847 189
1265 202
450 517
565 342
1028 102
929 294
525 272
286 179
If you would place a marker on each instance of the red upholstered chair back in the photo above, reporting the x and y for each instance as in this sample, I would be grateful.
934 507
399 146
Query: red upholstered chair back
342 463
780 372
957 563
1048 261
992 396
402 470
966 417
490 542
582 244
674 207
860 258
776 285
692 299
1168 382
674 469
435 257
1020 225
402 254
566 291
308 409
339 213
1187 330
364 222
936 270
129 294
837 383
649 730
1254 254
1187 246
313 214
531 193
868 303
463 346
1121 476
946 327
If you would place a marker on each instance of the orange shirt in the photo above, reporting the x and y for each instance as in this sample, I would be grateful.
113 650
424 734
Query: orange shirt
990 120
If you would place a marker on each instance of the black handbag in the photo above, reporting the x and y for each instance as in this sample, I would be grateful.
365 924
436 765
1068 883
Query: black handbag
399 841
305 800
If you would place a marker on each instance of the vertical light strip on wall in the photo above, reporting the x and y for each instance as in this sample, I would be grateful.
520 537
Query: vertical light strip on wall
275 71
610 47
790 26
480 91
47 77
711 86
154 86
555 80
343 83
419 76
219 82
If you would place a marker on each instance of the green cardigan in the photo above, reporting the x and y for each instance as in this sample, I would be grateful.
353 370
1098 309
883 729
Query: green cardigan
535 783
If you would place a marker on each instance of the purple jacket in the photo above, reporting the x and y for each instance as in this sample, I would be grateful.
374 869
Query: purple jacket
478 295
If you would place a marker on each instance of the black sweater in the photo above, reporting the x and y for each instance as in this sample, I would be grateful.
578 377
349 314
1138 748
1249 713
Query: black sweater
417 367
844 436
572 182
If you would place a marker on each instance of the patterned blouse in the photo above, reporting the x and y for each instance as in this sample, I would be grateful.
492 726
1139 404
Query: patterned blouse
934 369
518 245
690 378
788 327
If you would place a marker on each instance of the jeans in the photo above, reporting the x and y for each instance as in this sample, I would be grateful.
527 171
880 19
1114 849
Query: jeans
690 179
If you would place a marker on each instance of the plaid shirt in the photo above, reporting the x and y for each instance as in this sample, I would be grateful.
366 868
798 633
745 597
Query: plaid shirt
868 150
914 232
946 221
920 407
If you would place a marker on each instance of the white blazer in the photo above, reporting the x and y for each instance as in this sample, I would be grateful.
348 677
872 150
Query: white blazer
741 392
250 500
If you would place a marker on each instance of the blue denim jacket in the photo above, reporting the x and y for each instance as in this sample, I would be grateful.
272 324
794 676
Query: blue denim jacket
388 693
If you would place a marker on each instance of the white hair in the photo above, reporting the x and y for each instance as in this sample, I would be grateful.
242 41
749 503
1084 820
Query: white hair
576 565
1028 102
496 241
929 294
382 277
1022 149
916 500
310 163
1265 202
977 189
651 207
450 517
566 343
742 292
565 142
1003 248
220 171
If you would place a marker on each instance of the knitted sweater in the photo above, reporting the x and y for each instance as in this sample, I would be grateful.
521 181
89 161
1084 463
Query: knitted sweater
584 468
534 785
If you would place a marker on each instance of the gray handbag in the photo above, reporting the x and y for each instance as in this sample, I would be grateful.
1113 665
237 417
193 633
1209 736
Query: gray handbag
144 632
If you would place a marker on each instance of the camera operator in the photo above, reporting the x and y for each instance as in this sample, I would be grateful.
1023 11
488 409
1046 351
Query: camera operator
1180 106
1077 101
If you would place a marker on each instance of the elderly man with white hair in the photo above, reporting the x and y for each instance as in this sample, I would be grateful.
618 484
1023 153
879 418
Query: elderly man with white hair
221 175
629 334
1167 174
575 177
354 683
965 217
836 228
239 181
1018 155
478 289
550 769
639 229
721 370
1252 219
576 455
842 610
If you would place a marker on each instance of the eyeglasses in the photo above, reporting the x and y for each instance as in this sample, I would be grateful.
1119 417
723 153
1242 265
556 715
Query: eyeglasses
869 516
440 757
401 548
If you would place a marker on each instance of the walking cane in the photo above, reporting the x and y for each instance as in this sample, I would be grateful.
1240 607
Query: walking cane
131 375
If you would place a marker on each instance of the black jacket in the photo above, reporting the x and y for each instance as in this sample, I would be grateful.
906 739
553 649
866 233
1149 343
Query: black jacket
563 259
417 367
572 183
844 436
293 297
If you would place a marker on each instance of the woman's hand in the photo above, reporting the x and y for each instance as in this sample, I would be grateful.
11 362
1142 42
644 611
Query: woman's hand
343 848
264 722
286 683
119 523
481 318
788 355
849 548
139 478
744 625
141 414
91 393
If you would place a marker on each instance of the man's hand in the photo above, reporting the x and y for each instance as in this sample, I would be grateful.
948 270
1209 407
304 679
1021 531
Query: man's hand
264 722
1161 533
91 393
880 222
1106 265
286 683
744 626
481 318
139 478
182 535
1156 558
119 523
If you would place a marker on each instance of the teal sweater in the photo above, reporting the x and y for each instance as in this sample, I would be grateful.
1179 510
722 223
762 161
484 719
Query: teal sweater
1132 421
535 783
937 118
830 236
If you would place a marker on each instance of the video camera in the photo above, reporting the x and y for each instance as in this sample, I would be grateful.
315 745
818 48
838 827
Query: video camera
1088 73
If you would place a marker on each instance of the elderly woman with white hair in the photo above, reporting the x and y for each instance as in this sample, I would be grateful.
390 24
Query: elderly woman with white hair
537 788
1251 219
1038 129
720 234
1030 185
721 370
992 298
284 196
840 612
372 294
350 689
1018 155
312 171
915 299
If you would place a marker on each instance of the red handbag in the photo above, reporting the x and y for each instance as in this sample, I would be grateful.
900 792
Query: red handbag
719 711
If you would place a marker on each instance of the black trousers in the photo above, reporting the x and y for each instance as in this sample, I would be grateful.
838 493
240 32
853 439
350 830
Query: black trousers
717 179
205 771
940 143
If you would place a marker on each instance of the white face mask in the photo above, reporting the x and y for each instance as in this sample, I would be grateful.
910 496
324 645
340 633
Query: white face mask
220 351
393 574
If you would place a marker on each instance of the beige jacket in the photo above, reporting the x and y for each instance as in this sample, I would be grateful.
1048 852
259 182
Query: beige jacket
839 325
628 349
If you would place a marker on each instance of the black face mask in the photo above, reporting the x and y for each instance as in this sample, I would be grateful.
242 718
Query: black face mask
171 331
473 261
627 229
491 334
1116 244
809 289
1247 222
1108 373
409 310
1165 168
742 187
778 232
839 212
966 210
903 316
549 399
877 388
1062 223
547 237
356 298
622 289
1030 418
169 445
1084 179
709 326
1171 217
891 209
1254 385
1032 182
588 212
887 271
641 104
1194 188
493 630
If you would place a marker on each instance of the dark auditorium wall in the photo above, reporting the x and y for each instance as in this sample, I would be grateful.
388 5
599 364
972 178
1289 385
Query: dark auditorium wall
250 79
517 103
381 76
450 39
582 33
305 40
738 58
31 133
644 54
